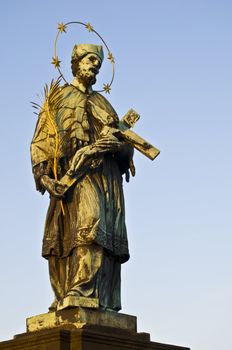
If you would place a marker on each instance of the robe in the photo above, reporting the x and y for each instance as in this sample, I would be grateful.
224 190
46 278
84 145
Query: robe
94 210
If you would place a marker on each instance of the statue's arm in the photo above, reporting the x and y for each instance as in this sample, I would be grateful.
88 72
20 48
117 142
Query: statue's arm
40 171
42 154
124 154
45 181
124 158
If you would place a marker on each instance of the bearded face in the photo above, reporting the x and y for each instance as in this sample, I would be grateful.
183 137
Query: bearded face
87 69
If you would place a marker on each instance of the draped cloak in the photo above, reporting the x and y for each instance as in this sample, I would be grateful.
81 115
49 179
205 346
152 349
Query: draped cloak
94 205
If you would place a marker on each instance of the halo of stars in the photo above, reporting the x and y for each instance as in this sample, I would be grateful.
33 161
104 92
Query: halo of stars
62 28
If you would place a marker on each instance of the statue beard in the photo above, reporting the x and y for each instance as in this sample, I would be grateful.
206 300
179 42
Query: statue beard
85 79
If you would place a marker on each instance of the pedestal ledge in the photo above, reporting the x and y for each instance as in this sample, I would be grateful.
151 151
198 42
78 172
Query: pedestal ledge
85 339
81 328
77 318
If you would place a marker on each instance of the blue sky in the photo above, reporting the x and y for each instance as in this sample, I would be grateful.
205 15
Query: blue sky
173 65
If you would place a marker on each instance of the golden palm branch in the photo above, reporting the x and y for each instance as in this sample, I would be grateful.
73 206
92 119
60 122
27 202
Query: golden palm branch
52 103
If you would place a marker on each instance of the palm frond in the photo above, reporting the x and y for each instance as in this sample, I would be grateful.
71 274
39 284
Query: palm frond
52 102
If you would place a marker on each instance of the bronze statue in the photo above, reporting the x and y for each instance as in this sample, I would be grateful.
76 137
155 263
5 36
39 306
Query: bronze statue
86 244
79 152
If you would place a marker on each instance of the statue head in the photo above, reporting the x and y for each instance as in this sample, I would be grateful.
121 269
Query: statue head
86 61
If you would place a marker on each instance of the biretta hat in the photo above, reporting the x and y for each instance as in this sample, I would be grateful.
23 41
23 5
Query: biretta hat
81 50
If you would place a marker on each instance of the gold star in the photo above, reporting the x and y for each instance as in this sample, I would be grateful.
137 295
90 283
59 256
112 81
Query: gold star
106 88
89 27
111 57
56 61
62 27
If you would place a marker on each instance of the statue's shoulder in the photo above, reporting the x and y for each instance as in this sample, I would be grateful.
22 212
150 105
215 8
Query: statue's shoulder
66 90
102 102
71 96
100 97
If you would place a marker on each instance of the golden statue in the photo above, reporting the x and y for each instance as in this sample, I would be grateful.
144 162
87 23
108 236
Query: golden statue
79 151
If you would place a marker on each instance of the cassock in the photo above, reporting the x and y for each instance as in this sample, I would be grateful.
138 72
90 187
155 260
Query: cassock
86 244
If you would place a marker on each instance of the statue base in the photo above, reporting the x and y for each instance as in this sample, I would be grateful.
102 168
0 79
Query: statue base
79 317
83 329
72 301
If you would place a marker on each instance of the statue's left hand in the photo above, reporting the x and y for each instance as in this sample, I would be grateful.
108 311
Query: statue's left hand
54 187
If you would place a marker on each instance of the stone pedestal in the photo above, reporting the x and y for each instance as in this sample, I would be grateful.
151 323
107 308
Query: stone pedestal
83 329
81 317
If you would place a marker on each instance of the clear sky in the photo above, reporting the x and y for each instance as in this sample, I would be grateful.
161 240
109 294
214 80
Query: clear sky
173 65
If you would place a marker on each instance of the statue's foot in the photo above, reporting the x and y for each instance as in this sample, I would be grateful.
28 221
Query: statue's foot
53 306
111 310
73 293
105 308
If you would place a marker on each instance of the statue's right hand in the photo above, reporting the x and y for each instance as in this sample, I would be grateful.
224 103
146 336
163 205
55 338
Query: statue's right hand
54 187
80 158
83 157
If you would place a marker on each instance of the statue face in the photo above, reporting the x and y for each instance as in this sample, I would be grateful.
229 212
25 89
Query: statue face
88 68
